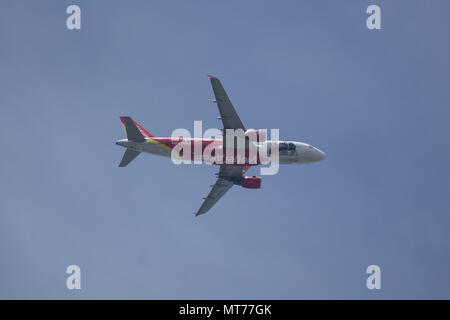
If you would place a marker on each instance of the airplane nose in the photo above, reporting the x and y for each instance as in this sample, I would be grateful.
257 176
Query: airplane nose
317 155
312 154
320 155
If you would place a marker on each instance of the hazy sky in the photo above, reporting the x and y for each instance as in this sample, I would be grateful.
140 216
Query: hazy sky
377 102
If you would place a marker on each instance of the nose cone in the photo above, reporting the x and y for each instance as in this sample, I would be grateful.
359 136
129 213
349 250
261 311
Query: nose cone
320 155
313 154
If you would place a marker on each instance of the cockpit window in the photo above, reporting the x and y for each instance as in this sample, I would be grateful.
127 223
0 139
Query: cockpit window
286 146
283 146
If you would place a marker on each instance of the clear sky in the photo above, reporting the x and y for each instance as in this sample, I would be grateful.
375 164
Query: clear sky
377 102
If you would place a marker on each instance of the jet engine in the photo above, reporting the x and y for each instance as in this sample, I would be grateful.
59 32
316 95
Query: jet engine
252 182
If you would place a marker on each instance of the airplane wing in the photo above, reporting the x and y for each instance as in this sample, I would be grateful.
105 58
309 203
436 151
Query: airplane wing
223 184
228 115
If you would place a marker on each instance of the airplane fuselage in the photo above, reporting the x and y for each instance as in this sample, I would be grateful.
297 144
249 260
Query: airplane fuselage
212 151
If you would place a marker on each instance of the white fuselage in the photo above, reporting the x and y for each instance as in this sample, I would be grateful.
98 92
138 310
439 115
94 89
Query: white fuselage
288 151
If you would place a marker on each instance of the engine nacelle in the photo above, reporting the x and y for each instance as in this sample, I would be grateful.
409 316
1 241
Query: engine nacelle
251 182
256 135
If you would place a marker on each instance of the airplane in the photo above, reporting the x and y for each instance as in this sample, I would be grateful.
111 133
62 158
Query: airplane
230 173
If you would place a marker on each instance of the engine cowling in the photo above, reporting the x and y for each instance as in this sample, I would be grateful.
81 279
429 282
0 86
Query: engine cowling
252 182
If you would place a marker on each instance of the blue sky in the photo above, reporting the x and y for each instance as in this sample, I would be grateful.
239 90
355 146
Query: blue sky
377 102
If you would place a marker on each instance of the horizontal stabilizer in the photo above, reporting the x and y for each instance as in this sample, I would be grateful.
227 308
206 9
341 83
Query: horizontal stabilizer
128 156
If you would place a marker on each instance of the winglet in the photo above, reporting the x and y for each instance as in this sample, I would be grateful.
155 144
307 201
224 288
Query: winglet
210 76
196 214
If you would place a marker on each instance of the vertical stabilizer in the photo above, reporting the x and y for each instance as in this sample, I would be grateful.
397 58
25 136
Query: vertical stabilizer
132 131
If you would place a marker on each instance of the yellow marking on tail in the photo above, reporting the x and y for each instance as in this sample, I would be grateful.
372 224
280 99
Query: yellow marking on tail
159 144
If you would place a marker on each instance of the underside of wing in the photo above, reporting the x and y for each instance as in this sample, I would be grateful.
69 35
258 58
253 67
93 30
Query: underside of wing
230 118
219 189
224 182
227 175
